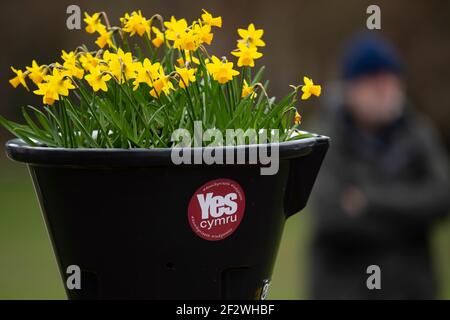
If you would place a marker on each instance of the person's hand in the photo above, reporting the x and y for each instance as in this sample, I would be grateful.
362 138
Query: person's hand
353 201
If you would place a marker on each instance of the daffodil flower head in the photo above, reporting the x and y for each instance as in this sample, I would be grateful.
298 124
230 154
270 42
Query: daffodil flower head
190 58
108 55
60 81
158 40
69 57
140 73
187 41
186 76
136 24
208 19
161 85
54 86
221 71
121 65
97 79
251 36
146 72
246 55
93 23
309 89
175 28
203 33
47 91
70 65
19 78
87 61
175 25
36 72
248 91
125 18
105 38
297 118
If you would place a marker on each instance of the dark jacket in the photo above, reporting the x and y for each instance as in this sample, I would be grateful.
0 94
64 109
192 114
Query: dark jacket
403 174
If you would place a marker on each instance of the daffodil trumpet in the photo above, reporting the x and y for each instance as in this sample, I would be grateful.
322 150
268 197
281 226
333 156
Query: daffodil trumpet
135 97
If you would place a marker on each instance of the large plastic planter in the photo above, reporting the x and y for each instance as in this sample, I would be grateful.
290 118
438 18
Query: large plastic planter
125 217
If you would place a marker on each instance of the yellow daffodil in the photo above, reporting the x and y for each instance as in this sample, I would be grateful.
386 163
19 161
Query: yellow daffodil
208 19
251 36
248 90
70 65
185 38
189 58
146 72
73 71
158 40
136 23
247 55
97 79
47 91
297 118
187 41
87 61
54 86
176 42
104 38
161 85
221 71
177 32
309 89
108 55
36 72
175 27
186 76
69 57
19 78
125 18
203 33
93 23
121 64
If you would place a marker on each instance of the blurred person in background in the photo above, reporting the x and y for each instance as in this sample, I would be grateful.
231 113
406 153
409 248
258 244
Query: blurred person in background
384 183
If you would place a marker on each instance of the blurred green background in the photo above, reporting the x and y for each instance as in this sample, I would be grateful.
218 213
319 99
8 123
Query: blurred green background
303 37
28 267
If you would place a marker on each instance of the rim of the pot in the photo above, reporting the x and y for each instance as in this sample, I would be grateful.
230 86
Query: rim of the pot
20 151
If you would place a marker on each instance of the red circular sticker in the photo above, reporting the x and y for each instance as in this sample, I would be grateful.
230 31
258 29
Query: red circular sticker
216 209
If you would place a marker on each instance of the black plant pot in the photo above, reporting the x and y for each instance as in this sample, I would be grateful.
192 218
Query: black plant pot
132 220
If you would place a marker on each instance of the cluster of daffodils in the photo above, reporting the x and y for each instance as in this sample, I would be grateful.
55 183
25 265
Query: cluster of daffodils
147 78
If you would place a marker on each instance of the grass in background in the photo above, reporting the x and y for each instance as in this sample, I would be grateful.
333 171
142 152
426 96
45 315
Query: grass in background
28 267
